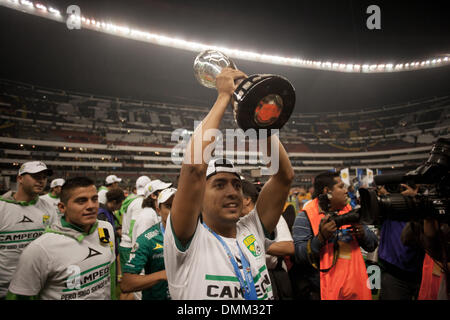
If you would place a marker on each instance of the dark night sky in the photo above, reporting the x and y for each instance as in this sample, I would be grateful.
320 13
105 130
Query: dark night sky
46 53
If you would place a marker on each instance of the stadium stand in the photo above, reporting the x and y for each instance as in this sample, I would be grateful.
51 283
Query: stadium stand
78 133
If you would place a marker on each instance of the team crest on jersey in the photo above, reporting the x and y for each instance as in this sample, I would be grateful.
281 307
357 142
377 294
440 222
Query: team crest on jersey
45 218
252 245
158 246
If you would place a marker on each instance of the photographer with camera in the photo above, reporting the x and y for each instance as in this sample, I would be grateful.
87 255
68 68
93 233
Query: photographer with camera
331 249
420 218
434 237
400 265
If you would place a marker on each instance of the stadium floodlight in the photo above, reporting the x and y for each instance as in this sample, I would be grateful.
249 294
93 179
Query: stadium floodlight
26 3
125 31
41 7
54 11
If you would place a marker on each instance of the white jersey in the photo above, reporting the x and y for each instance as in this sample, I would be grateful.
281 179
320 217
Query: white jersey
66 264
282 233
20 223
127 223
143 220
53 200
204 271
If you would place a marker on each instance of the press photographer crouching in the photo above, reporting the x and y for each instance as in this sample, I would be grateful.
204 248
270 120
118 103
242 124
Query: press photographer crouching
327 238
413 221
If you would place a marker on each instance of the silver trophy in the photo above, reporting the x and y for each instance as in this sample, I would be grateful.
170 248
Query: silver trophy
209 64
261 101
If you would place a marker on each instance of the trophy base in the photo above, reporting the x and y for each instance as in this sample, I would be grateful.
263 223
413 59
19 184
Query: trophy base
263 101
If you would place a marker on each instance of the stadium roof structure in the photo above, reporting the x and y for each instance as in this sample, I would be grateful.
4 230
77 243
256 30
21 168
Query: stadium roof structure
325 48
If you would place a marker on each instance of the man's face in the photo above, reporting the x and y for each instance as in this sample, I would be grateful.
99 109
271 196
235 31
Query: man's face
57 191
339 194
164 209
114 185
222 202
82 207
33 183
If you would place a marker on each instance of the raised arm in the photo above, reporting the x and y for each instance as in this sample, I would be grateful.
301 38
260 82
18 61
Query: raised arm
273 195
191 184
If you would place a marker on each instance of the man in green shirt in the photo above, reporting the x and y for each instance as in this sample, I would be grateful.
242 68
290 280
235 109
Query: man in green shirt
147 254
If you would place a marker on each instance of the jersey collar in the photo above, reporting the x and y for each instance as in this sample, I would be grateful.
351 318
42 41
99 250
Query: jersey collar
66 224
21 203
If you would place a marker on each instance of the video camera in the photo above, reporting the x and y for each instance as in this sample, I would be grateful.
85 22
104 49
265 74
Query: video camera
433 201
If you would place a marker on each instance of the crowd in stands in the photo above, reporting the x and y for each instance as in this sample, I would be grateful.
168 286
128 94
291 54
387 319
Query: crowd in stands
86 134
33 113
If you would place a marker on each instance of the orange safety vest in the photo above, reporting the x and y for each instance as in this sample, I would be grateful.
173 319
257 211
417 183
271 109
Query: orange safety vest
347 280
432 276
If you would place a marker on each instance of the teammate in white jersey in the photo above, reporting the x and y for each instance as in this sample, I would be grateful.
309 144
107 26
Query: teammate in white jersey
141 204
146 217
147 255
53 195
112 182
223 257
74 258
23 218
128 207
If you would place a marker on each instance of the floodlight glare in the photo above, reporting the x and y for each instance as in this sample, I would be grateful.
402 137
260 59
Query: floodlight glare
27 6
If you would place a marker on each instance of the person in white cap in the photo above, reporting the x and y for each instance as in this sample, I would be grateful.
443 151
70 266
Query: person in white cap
23 218
130 204
221 257
111 182
150 192
134 210
53 195
147 216
147 255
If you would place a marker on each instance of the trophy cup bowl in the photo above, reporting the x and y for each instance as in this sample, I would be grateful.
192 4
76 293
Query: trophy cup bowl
261 101
207 66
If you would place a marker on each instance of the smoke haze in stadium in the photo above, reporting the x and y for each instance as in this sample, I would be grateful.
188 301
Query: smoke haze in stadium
46 53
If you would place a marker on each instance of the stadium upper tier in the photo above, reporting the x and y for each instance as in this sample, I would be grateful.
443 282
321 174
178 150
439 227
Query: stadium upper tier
71 130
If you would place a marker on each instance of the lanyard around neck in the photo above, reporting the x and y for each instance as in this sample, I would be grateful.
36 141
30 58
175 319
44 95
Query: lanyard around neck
163 230
247 285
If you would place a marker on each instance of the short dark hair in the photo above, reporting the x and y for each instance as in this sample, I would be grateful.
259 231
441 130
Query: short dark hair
322 180
249 190
72 184
115 195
